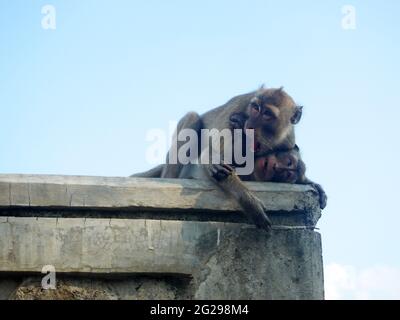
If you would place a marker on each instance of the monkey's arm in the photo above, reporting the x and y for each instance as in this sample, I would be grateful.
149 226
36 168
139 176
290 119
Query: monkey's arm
252 207
323 198
152 173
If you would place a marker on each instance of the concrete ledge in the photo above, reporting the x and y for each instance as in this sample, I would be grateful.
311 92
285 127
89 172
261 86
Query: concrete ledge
224 260
217 258
139 194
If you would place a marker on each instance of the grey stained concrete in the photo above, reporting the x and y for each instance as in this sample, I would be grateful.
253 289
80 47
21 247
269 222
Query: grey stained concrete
146 254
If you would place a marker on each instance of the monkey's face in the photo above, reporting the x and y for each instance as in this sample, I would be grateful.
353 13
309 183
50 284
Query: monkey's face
277 167
263 113
271 113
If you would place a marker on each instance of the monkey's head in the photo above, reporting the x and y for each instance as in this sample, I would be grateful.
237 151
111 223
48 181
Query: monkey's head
279 166
271 113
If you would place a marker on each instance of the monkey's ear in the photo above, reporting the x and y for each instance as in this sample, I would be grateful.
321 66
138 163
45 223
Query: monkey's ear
298 111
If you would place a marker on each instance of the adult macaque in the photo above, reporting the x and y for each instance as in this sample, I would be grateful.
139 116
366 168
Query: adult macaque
271 113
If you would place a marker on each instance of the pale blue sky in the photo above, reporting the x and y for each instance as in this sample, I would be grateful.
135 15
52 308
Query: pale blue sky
80 99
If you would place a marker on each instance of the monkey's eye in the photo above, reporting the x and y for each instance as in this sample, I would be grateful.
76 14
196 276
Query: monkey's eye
255 107
290 163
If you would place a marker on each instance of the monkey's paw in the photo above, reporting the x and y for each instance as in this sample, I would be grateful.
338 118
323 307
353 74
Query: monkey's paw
262 221
323 198
260 217
221 171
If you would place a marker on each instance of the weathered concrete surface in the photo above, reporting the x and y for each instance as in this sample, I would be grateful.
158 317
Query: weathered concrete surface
104 245
138 194
249 265
135 257
224 261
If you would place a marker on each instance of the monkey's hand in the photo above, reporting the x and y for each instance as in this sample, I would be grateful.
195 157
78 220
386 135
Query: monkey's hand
221 171
323 198
237 120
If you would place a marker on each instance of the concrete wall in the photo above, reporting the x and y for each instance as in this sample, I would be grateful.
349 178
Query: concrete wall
135 238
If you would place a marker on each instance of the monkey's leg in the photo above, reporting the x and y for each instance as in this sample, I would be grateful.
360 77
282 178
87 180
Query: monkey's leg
190 121
252 207
152 173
